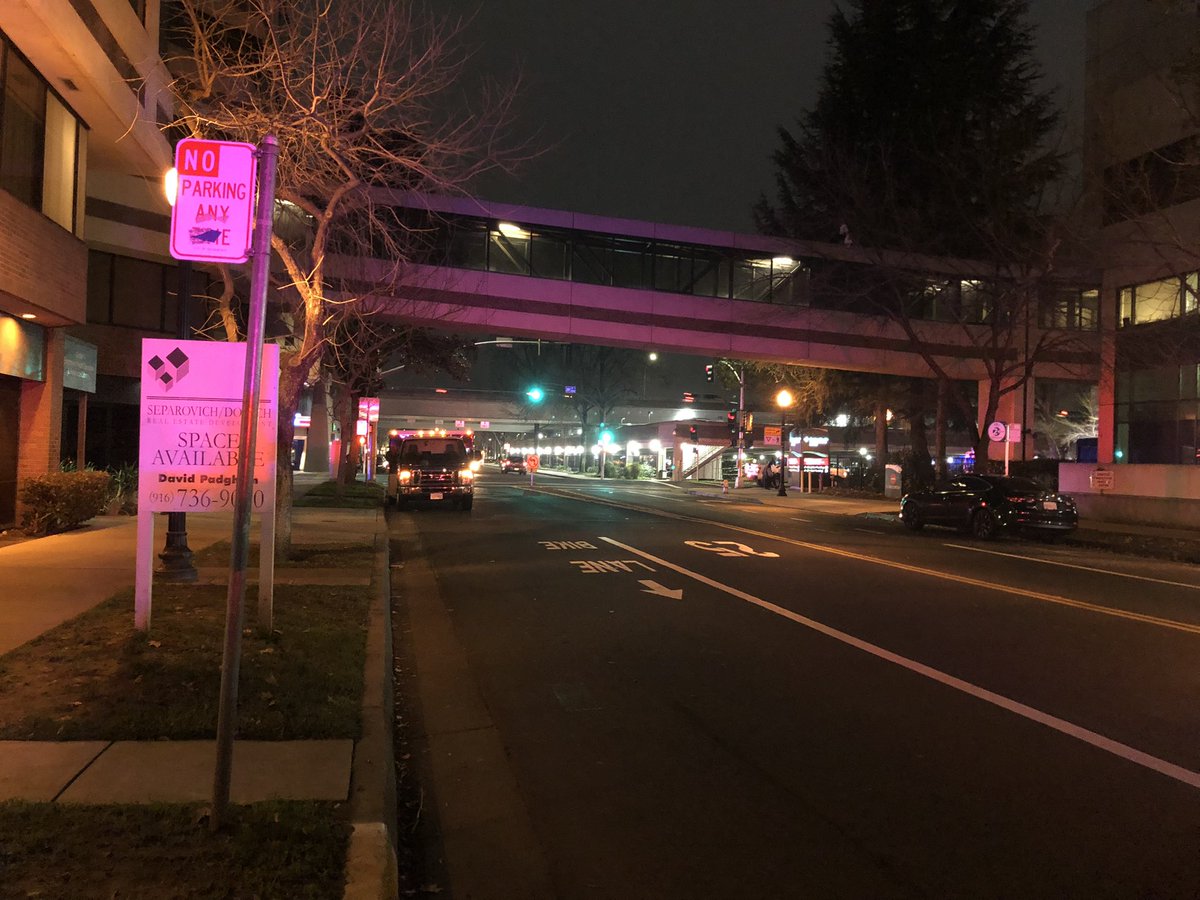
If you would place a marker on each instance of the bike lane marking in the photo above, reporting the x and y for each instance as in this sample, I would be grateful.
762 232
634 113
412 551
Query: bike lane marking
1070 729
1058 599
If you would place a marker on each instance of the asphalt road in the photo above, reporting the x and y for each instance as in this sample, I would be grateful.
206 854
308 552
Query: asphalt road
708 699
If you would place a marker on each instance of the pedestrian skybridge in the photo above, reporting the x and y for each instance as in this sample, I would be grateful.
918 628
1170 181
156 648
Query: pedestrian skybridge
573 277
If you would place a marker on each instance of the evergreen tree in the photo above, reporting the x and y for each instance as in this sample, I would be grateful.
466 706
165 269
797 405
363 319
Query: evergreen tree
929 133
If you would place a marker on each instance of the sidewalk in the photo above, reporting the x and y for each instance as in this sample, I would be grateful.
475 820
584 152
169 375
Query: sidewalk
47 581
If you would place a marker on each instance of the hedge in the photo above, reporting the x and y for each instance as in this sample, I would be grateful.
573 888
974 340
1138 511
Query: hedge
60 501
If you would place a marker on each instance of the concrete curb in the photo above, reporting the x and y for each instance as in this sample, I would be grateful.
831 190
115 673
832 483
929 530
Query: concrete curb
371 868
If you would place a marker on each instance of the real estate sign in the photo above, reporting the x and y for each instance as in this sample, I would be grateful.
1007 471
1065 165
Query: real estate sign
191 416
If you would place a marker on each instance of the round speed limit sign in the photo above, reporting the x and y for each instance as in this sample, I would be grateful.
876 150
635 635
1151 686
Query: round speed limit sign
997 431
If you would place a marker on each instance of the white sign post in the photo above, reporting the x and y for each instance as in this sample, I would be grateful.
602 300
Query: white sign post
213 214
1009 433
191 412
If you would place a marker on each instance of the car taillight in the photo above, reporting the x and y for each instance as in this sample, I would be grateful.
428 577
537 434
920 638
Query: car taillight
465 474
404 475
475 464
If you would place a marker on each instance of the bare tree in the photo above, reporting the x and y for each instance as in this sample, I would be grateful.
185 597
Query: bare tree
361 96
359 349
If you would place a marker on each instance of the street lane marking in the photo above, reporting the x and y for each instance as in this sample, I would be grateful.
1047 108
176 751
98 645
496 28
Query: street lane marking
869 530
798 519
653 587
1124 751
1051 562
904 567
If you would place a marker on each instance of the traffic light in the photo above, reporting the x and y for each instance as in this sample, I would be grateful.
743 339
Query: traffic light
535 394
708 373
606 438
731 420
692 433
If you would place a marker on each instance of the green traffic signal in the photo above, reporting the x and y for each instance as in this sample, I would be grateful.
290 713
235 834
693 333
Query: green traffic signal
606 437
535 394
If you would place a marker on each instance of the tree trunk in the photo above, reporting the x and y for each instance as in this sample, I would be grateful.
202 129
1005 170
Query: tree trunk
291 383
939 431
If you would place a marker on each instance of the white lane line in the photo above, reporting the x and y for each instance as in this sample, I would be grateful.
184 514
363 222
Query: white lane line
798 519
1051 562
905 567
869 530
1124 751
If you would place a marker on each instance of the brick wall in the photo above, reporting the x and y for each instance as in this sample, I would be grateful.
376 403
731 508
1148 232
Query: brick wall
41 415
40 262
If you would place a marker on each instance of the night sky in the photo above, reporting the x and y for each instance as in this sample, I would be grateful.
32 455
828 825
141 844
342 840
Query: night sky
666 110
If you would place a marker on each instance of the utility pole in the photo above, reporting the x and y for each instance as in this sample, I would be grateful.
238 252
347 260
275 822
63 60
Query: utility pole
740 374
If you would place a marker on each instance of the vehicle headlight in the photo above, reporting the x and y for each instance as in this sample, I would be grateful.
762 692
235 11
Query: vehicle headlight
474 466
404 475
465 475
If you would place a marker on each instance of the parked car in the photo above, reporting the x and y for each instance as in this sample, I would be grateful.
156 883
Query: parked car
512 464
986 505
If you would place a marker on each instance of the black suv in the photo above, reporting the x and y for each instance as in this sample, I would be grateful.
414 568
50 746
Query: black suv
431 470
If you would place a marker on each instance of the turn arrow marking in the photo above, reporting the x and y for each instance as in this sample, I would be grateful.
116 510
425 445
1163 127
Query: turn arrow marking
653 587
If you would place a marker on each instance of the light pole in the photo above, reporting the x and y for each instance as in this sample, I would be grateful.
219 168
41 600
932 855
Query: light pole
650 357
177 555
784 400
740 374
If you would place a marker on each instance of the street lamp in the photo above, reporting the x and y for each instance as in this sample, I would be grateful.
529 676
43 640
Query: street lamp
177 555
783 399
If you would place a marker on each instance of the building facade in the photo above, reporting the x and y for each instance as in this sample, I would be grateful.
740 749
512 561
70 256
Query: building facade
83 224
1142 167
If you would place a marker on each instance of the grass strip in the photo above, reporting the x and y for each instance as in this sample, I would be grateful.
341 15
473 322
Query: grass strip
95 678
303 556
165 852
355 495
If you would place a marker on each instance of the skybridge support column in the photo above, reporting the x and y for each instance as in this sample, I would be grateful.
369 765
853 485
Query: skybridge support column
1016 407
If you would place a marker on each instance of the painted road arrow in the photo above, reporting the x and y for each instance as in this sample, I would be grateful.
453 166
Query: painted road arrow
653 587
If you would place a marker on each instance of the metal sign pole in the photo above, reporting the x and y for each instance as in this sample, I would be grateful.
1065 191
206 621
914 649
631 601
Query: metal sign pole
251 390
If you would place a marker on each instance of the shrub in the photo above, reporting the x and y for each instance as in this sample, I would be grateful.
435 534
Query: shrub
59 501
633 470
613 469
123 489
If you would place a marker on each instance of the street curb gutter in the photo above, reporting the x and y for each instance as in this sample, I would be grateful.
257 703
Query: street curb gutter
371 871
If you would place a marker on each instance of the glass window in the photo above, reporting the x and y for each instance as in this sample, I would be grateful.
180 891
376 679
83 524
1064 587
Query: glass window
58 177
22 132
1156 301
590 256
630 263
706 273
1088 315
467 245
1126 306
137 293
99 296
508 250
672 268
549 255
752 279
976 301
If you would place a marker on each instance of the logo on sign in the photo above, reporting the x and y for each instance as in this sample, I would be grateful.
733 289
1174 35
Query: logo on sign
170 371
